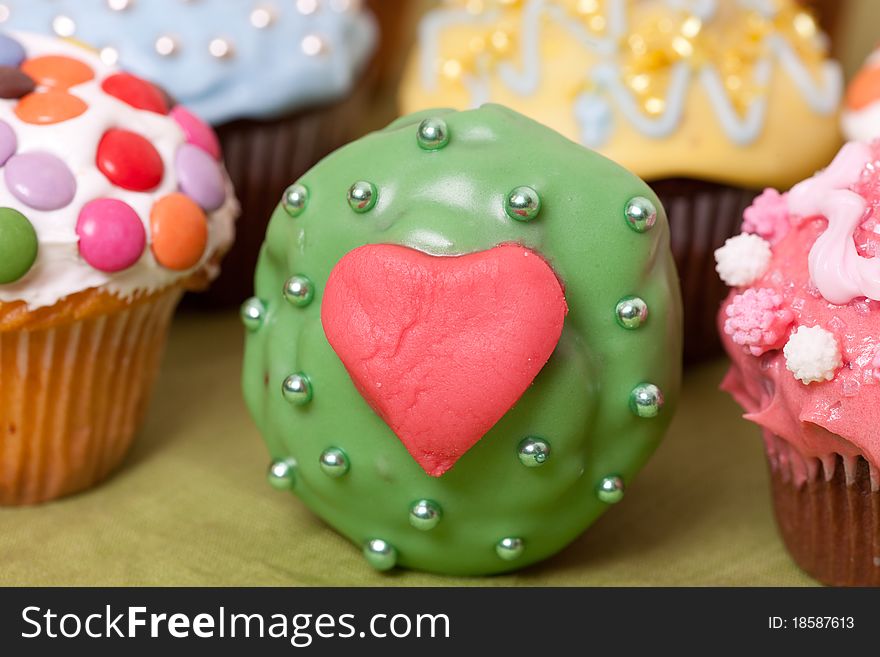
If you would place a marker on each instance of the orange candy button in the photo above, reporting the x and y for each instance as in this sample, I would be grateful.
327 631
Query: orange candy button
179 229
57 71
46 107
864 89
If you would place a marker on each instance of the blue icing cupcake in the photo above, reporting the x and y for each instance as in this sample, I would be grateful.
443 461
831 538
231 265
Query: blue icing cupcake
224 59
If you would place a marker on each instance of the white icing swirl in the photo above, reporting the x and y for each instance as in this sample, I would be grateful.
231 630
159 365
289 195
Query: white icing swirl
59 270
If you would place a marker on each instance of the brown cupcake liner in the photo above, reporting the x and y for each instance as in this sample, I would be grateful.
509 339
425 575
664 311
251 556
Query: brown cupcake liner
397 28
263 158
828 513
73 395
702 215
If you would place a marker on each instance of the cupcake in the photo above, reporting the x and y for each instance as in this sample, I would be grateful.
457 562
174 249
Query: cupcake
802 327
708 102
283 83
112 203
465 342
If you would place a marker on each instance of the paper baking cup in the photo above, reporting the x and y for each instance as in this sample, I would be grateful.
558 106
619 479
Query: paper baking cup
830 521
72 397
702 215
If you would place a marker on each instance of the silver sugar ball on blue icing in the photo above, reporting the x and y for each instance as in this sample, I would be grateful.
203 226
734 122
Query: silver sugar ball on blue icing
252 313
646 400
297 389
533 452
523 204
510 548
334 462
295 199
631 312
433 134
299 291
380 554
641 214
282 474
425 515
362 196
610 489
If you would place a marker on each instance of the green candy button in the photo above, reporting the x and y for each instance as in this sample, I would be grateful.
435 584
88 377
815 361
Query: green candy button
18 245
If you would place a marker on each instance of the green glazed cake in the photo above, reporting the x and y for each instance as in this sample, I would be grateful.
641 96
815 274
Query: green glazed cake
465 340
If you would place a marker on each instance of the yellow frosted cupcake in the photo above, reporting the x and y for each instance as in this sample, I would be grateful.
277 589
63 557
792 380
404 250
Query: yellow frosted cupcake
709 101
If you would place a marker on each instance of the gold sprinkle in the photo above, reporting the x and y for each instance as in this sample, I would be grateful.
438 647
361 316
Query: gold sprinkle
655 105
500 41
640 83
804 25
691 27
451 69
682 46
587 6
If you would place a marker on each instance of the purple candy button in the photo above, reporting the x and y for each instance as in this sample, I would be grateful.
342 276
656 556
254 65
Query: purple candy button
200 177
40 180
8 142
11 51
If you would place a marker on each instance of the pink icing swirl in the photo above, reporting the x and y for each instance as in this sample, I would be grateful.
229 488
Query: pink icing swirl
838 270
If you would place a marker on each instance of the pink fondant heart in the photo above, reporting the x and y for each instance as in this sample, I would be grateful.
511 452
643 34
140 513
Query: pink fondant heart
442 347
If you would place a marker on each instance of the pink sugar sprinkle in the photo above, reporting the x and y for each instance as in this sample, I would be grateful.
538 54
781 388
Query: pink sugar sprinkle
757 320
767 216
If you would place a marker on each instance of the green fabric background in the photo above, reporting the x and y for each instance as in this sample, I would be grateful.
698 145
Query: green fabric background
191 505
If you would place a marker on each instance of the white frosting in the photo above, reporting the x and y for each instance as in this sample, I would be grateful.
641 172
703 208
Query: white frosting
863 124
743 259
593 109
812 354
59 270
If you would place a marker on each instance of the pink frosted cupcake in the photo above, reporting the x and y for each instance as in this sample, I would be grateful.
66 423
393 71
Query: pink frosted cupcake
802 327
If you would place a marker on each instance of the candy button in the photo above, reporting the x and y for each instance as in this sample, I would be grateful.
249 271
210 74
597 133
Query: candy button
196 131
111 236
179 229
200 177
136 92
40 180
11 51
14 83
18 245
47 107
130 161
58 71
8 142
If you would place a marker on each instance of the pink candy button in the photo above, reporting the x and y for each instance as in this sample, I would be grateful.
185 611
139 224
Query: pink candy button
196 131
111 235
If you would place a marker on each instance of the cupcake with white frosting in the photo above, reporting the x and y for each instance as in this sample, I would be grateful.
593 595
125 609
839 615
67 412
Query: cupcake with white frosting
284 83
113 202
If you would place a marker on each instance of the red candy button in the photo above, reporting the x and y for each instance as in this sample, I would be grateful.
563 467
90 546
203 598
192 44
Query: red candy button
130 161
47 107
136 92
57 71
180 232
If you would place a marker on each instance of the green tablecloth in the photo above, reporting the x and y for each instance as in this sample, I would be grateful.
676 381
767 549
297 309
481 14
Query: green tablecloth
191 505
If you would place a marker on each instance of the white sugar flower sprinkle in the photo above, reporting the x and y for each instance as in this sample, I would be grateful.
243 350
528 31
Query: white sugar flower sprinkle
743 259
812 354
